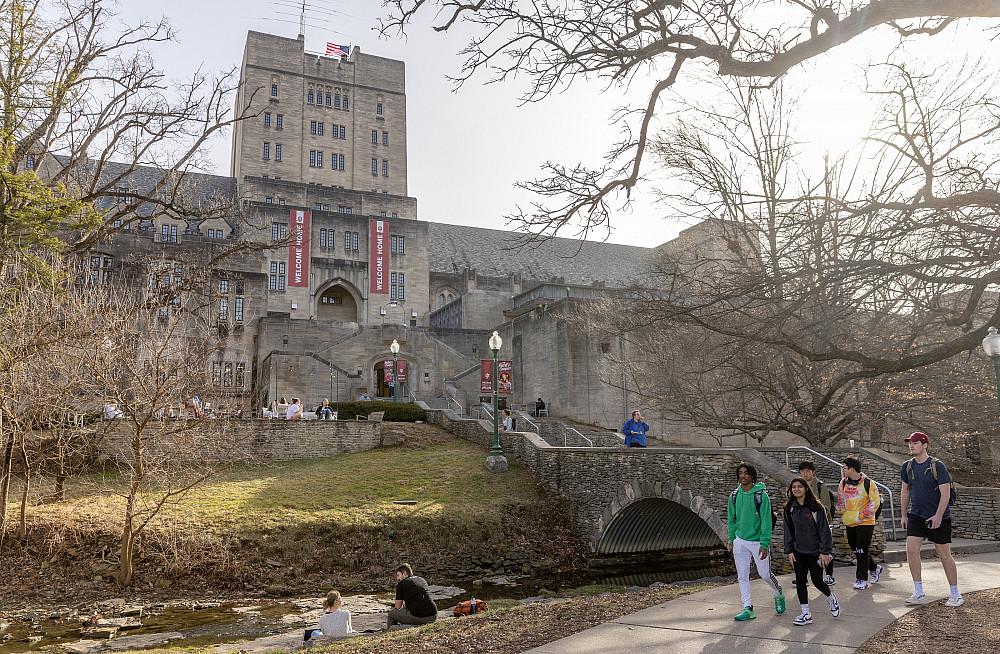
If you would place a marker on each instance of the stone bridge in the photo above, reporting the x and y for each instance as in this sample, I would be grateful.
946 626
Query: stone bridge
633 501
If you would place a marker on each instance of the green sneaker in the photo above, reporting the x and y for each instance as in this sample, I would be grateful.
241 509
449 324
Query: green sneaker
746 614
779 602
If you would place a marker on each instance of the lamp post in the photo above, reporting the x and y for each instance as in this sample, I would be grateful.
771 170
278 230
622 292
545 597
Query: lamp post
991 345
495 460
394 348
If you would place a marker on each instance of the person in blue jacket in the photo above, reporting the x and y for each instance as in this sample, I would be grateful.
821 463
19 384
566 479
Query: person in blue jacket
635 431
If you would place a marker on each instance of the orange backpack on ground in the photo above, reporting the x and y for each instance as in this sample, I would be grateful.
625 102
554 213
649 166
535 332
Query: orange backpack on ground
470 607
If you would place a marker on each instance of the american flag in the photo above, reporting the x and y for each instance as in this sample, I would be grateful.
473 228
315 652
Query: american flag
338 50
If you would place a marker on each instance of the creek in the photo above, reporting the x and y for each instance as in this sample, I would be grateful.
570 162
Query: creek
207 623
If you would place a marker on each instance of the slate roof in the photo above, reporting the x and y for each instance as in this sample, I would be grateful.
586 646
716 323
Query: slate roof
195 187
453 248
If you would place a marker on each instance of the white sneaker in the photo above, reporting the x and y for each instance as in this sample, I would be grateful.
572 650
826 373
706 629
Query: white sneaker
916 598
876 573
829 580
955 601
834 605
860 584
803 620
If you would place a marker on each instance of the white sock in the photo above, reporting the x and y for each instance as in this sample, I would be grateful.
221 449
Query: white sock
805 609
954 591
918 586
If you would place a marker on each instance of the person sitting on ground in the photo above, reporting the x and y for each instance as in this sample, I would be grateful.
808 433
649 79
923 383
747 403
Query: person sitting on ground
294 411
336 620
539 407
280 407
325 412
364 397
413 601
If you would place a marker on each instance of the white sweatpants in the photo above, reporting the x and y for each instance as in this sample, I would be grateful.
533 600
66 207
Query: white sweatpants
743 552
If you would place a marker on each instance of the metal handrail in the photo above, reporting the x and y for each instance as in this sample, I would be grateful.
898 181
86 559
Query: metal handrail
485 408
892 504
580 435
523 416
461 411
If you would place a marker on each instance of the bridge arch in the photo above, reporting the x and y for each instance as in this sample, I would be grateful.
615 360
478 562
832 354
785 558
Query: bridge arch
651 517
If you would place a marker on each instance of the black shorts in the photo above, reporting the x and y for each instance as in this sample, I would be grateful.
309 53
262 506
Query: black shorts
917 526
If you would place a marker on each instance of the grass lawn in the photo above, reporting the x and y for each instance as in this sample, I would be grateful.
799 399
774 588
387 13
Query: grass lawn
336 514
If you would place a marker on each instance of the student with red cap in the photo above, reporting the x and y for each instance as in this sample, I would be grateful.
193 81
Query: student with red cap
925 500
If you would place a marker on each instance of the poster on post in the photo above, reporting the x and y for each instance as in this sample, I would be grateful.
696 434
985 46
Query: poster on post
504 376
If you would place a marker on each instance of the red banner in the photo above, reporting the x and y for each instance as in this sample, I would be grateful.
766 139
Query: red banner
377 259
388 370
486 376
401 373
298 250
505 375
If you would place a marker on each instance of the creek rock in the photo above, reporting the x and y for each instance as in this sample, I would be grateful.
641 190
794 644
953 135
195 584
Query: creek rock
444 592
142 641
85 646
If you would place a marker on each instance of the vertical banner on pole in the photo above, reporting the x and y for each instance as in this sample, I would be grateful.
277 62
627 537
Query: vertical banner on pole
388 371
401 373
486 376
504 376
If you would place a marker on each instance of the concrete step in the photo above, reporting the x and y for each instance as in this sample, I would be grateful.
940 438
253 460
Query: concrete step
895 552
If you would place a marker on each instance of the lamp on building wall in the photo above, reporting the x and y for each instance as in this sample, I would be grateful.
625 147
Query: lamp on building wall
495 460
392 303
991 345
394 348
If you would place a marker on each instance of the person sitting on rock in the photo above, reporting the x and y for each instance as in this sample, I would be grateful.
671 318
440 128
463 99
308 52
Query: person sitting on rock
336 620
413 601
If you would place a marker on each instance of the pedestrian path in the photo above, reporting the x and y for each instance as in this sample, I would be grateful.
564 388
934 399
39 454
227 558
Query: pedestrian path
703 622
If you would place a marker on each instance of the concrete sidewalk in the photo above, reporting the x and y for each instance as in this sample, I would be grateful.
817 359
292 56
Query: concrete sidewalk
703 622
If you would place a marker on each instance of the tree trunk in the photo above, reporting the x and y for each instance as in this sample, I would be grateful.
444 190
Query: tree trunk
23 532
128 540
5 473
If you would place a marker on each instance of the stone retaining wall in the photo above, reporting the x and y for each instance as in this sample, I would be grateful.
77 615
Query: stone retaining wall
244 439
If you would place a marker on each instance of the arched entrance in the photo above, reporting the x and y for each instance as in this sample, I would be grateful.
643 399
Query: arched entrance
384 382
337 303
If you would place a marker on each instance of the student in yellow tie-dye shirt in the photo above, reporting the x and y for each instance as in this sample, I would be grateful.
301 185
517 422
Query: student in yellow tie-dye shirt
859 502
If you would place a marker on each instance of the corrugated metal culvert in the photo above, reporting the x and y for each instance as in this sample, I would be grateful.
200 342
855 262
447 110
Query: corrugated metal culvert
656 525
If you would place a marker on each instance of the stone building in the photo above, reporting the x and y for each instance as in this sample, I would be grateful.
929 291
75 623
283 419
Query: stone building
344 266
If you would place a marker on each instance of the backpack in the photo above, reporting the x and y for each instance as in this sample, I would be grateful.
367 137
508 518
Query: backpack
933 469
758 500
470 607
868 490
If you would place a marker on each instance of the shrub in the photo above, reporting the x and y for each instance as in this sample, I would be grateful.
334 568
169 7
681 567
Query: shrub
394 411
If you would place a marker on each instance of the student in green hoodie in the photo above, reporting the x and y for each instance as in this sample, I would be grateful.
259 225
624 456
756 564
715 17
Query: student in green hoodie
750 537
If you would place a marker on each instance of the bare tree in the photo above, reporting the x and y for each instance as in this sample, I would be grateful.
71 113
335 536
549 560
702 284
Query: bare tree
793 294
150 374
94 138
658 45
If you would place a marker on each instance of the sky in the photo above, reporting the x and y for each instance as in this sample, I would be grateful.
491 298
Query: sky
468 147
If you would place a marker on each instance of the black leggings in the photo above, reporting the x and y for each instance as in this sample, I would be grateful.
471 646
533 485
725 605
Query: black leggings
860 540
808 563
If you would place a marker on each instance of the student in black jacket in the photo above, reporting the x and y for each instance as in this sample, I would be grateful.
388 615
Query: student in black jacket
807 544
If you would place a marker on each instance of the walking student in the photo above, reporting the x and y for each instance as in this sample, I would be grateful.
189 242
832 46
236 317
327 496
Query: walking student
925 501
859 504
808 542
807 470
750 527
635 431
